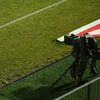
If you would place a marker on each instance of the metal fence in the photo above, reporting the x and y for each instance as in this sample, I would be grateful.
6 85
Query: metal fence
88 91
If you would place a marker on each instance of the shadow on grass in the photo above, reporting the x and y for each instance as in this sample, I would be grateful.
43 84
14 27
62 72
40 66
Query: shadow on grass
42 93
45 92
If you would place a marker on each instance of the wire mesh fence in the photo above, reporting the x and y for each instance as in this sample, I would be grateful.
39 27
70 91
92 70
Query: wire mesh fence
88 91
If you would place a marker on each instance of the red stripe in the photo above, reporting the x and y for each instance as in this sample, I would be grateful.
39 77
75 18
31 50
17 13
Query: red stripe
90 30
96 35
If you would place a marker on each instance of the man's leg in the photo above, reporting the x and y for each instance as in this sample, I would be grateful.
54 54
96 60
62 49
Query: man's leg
82 66
73 70
93 67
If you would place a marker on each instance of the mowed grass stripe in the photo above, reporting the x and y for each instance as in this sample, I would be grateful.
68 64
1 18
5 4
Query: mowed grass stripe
31 14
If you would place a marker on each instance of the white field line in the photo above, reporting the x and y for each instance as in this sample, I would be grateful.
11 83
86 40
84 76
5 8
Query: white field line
78 88
30 14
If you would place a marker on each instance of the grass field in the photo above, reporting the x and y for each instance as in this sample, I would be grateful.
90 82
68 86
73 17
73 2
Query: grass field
38 86
29 44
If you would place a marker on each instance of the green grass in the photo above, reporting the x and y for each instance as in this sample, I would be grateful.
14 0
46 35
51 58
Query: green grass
12 9
29 44
38 85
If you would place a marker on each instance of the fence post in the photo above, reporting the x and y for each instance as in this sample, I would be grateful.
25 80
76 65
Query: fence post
89 92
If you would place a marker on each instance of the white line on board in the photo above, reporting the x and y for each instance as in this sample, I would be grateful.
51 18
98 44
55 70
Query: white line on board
30 14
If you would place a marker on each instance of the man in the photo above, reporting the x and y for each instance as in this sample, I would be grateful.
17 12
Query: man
82 52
